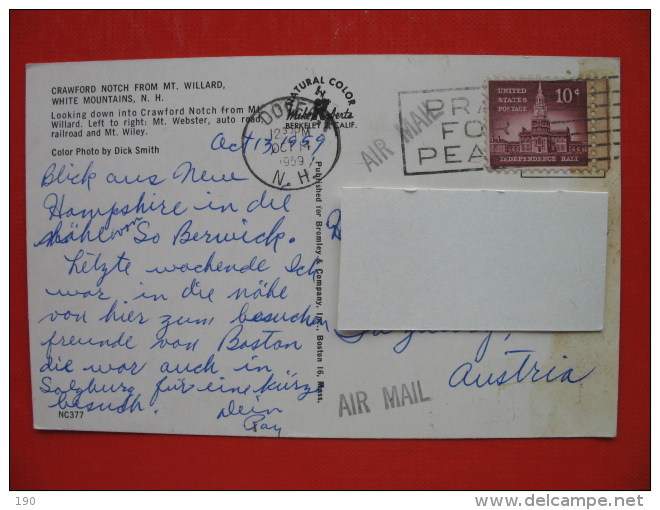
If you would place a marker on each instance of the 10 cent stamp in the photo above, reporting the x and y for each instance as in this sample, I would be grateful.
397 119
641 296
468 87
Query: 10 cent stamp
538 123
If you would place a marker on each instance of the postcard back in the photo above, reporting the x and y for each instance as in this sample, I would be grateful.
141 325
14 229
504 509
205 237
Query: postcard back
185 227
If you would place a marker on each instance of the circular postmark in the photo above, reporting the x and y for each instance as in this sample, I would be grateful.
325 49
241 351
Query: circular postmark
291 143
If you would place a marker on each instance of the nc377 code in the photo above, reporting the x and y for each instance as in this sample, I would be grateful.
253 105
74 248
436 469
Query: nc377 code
70 414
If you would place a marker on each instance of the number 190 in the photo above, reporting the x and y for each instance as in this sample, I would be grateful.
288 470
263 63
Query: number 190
25 501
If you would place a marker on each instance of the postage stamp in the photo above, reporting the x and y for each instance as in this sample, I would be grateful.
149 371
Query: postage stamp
557 125
538 123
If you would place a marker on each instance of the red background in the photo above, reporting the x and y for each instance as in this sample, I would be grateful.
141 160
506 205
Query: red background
66 460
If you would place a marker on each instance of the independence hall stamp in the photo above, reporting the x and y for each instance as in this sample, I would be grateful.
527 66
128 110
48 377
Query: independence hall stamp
538 123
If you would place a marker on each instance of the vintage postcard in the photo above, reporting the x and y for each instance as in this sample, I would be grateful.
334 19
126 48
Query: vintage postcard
186 267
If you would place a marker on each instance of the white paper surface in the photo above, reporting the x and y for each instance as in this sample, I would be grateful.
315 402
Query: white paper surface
184 232
472 260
